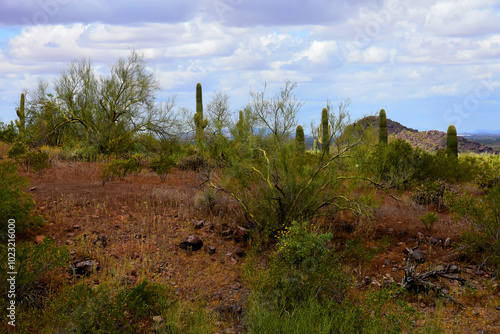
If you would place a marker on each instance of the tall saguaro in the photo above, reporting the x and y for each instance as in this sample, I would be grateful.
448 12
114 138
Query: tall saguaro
299 137
382 127
452 141
21 123
199 121
325 131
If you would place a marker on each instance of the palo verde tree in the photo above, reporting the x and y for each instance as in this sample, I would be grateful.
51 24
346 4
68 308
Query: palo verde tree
106 111
276 186
276 114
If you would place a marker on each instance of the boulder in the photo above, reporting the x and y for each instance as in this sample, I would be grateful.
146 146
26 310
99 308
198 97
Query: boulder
192 242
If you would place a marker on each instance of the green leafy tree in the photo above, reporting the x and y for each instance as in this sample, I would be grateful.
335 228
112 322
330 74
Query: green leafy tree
107 111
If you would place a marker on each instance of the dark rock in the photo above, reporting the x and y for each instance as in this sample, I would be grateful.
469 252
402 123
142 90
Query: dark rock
239 252
240 234
193 243
453 269
102 241
417 256
84 267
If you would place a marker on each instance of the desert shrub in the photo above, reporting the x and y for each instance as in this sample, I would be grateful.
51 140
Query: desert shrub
207 199
103 309
161 165
296 244
429 219
29 159
195 162
15 203
8 132
482 238
302 268
277 185
378 314
119 168
33 264
397 164
450 169
303 290
430 193
488 173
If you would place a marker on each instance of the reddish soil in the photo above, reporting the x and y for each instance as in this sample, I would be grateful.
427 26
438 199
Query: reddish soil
144 221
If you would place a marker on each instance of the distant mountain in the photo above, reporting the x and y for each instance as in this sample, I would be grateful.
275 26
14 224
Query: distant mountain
430 141
482 132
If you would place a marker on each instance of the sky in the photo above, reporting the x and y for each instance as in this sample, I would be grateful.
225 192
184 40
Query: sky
429 64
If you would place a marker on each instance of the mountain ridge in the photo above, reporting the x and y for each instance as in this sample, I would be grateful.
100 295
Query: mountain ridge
430 141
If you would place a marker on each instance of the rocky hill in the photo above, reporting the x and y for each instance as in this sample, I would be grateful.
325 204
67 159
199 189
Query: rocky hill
430 141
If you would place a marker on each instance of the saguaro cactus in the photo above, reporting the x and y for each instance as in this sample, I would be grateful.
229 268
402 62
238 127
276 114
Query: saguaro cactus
21 123
325 131
382 128
452 141
315 145
299 138
199 121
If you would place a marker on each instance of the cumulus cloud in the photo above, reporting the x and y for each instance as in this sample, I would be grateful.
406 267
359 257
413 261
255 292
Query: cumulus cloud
375 52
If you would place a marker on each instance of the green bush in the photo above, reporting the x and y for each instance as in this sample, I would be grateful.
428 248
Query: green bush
15 203
119 168
33 264
195 162
278 185
397 164
429 219
103 309
482 238
161 165
430 193
297 244
29 159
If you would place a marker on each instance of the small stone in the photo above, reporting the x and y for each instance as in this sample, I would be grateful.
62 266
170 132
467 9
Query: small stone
198 223
453 269
440 268
39 239
157 319
422 305
192 242
32 188
447 242
367 280
210 249
420 236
